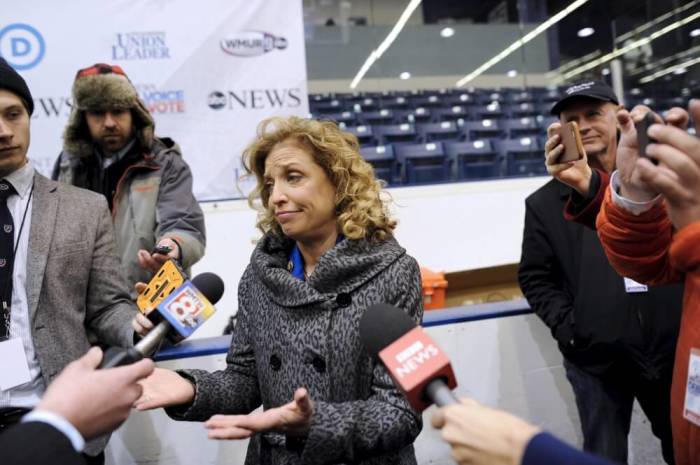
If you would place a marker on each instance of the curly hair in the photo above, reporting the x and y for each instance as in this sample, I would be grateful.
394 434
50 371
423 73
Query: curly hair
361 208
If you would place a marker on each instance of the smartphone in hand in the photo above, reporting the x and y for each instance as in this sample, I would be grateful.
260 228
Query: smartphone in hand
571 140
643 138
161 249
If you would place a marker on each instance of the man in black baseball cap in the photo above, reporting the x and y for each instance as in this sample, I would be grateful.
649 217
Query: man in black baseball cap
593 106
617 337
12 81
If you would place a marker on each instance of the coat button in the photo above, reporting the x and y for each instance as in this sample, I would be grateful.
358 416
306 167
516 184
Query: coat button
343 299
319 364
275 362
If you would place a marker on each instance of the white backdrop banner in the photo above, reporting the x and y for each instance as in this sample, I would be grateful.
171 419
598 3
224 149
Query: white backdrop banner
209 71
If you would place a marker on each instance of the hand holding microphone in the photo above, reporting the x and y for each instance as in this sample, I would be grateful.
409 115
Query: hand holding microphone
177 316
480 435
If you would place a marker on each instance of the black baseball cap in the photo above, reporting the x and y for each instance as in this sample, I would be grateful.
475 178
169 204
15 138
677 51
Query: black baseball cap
592 89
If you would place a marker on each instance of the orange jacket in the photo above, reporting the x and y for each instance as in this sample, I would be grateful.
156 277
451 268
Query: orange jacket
647 249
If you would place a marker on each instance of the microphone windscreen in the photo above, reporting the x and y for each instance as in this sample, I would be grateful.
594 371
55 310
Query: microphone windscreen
381 325
209 284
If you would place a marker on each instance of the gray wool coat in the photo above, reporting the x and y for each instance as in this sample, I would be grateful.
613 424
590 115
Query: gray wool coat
292 333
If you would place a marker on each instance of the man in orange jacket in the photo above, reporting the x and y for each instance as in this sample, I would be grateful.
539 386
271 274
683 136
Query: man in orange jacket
649 225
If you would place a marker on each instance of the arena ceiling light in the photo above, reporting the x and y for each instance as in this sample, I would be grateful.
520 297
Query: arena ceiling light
673 13
386 43
585 32
695 33
691 52
520 42
636 44
677 69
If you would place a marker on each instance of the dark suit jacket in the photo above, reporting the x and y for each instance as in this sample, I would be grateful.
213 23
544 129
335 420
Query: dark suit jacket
570 285
37 443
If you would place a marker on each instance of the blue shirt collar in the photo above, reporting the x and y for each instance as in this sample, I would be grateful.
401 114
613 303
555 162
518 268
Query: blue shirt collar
296 261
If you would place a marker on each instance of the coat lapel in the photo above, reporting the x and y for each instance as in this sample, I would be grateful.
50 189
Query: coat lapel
342 269
44 207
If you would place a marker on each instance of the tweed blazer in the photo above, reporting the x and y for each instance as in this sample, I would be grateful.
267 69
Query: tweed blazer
74 284
293 333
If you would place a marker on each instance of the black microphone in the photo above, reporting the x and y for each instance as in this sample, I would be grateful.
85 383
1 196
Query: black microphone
416 364
176 318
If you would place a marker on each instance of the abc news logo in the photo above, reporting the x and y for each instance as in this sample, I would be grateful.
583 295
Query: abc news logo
52 107
255 99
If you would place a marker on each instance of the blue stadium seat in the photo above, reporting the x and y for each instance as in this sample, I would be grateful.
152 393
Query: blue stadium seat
405 132
460 98
485 97
395 103
382 159
422 163
483 129
518 127
365 134
453 113
383 116
347 118
366 104
490 111
524 156
545 121
549 98
521 97
331 106
473 160
446 130
519 110
416 115
427 101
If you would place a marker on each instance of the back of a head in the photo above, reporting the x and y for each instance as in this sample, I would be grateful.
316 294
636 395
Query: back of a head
382 324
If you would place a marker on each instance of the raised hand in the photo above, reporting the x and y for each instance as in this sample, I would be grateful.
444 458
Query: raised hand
576 174
164 388
293 418
677 176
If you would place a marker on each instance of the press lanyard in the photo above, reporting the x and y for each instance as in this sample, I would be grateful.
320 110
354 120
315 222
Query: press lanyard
6 305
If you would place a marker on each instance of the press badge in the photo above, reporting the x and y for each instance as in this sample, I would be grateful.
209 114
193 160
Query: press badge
691 409
14 370
633 287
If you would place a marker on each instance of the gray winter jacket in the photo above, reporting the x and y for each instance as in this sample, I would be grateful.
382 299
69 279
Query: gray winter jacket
153 200
292 333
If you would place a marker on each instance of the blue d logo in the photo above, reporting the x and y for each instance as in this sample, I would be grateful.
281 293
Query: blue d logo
22 46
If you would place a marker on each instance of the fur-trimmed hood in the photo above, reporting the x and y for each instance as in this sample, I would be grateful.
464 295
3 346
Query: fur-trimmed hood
103 92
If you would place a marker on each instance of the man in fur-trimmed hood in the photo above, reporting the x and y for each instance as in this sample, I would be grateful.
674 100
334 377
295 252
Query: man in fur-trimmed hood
100 91
110 147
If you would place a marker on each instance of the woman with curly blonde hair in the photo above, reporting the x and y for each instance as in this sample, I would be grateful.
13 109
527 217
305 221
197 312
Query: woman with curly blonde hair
360 209
326 255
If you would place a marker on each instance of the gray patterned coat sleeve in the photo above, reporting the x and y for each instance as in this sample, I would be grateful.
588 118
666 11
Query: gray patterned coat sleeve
234 389
384 422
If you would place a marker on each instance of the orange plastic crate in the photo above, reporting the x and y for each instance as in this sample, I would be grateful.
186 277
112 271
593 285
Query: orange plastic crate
434 286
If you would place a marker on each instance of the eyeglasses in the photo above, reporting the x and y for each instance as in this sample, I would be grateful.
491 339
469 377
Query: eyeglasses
100 68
